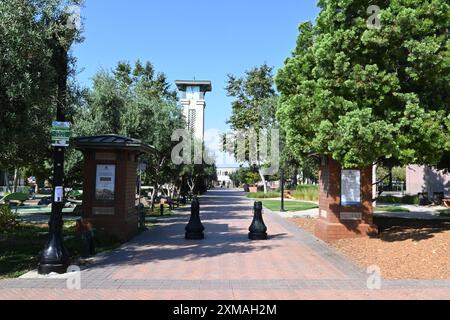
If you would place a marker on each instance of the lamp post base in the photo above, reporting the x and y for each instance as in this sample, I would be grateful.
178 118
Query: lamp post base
55 258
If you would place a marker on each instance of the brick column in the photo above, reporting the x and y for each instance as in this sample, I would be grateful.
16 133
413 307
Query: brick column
117 217
337 221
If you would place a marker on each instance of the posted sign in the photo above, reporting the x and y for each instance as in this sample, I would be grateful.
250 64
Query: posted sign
60 134
351 188
105 182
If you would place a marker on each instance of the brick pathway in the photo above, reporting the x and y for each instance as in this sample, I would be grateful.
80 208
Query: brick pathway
161 264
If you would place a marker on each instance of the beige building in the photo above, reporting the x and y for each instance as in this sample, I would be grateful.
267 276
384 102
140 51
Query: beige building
223 176
421 179
192 99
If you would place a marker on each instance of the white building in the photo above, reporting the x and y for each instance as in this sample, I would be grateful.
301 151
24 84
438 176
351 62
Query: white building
192 99
223 176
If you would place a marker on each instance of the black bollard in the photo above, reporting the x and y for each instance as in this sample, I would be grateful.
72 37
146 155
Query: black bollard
161 209
258 230
141 211
87 238
195 228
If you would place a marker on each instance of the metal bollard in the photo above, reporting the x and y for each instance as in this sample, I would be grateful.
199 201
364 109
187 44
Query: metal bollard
195 228
258 230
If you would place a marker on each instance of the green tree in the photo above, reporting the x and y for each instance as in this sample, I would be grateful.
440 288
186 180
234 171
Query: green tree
254 105
31 34
134 102
365 95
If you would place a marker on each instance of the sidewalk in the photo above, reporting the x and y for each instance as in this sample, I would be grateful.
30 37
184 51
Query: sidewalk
161 264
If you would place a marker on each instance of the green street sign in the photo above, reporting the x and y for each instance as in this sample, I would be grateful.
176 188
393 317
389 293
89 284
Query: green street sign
60 134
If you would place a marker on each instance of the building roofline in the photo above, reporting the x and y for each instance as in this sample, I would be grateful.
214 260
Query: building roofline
205 84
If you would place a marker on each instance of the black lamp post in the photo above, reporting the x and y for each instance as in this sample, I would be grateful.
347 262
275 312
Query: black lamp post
55 257
282 190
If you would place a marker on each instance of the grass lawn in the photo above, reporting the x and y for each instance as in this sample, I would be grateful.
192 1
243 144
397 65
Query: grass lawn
157 211
275 205
445 213
391 209
19 248
262 195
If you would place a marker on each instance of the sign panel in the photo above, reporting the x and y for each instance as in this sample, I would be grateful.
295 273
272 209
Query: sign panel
105 182
351 188
103 211
353 216
60 134
59 194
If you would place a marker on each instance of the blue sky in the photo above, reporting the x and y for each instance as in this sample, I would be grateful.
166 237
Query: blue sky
205 39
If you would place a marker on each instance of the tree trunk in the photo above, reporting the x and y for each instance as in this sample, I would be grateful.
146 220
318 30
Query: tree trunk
295 178
191 184
391 187
16 179
153 198
8 187
263 179
374 185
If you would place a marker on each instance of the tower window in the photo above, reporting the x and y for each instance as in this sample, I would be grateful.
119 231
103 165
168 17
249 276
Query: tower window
192 120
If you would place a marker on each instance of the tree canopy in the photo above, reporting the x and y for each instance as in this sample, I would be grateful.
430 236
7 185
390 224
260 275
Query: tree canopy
365 95
29 33
136 102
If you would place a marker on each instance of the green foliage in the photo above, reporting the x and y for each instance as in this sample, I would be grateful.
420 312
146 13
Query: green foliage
7 218
18 196
135 102
408 199
19 247
253 105
363 95
30 34
294 206
307 193
75 194
245 176
398 173
262 195
390 209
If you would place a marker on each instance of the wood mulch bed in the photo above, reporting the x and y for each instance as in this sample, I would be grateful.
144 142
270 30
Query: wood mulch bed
405 249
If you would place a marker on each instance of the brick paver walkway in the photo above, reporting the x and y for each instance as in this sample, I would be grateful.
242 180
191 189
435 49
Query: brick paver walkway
161 264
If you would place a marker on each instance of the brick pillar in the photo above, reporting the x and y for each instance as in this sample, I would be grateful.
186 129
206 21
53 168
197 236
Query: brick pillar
117 217
343 221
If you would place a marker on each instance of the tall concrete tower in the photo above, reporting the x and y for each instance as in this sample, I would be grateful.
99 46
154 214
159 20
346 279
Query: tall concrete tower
192 98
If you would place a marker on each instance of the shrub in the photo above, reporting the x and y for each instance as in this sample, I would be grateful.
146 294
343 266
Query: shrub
408 199
262 195
306 192
75 194
18 196
8 220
